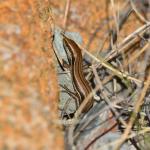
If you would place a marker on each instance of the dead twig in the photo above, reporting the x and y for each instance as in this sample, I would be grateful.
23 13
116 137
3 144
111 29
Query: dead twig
134 115
66 14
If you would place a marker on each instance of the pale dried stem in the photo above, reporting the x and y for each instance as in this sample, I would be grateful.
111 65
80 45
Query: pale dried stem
132 38
145 130
137 12
115 17
66 14
137 54
133 117
106 97
114 71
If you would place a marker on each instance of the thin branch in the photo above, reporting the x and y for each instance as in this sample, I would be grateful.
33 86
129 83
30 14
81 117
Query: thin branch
137 12
66 14
134 115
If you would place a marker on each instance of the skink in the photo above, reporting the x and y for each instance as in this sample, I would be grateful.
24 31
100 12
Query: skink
81 85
